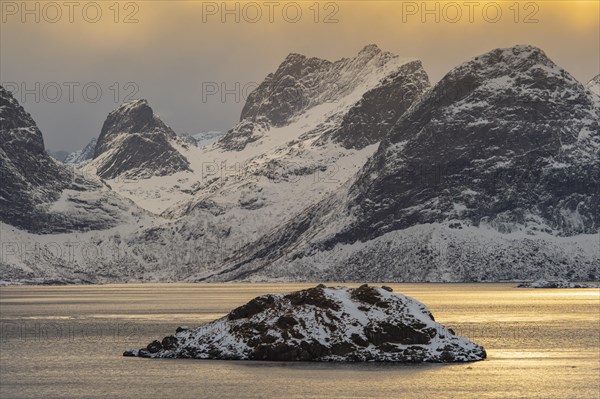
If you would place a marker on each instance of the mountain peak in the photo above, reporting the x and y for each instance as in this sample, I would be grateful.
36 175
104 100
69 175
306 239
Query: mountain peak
140 108
594 85
519 57
135 116
297 65
506 144
509 110
136 142
504 72
371 49
526 49
300 83
294 57
131 105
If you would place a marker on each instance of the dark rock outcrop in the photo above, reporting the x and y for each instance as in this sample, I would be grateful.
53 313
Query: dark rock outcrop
134 116
244 133
371 119
135 143
29 176
300 83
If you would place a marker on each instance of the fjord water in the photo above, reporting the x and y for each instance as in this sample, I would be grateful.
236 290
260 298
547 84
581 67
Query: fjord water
67 342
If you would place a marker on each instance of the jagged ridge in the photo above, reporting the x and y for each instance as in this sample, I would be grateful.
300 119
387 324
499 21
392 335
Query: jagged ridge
507 141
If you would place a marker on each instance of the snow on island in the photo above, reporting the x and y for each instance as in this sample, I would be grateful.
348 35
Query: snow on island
322 324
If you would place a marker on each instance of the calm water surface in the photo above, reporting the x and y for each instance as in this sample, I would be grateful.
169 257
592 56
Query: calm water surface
67 342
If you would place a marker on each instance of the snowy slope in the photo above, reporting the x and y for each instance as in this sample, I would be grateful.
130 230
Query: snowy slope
594 85
505 146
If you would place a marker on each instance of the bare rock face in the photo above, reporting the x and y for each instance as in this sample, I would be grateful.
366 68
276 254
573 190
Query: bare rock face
371 119
134 142
142 156
134 116
322 324
244 133
29 176
287 92
301 83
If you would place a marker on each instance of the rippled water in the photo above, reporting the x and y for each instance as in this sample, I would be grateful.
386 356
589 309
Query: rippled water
67 342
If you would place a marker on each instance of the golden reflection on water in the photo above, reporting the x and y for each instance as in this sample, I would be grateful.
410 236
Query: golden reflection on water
67 342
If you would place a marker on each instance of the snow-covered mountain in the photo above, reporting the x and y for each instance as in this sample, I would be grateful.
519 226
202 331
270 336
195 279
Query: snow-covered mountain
204 139
292 162
83 155
374 78
233 196
136 143
493 174
52 218
347 170
594 85
256 179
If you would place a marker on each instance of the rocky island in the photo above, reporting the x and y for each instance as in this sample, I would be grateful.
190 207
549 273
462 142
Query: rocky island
555 284
322 324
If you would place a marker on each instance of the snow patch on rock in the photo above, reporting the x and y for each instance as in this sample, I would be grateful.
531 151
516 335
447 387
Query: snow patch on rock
322 324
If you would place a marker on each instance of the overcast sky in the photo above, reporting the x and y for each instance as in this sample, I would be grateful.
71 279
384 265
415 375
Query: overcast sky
173 52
